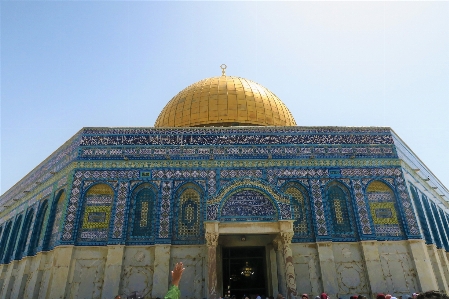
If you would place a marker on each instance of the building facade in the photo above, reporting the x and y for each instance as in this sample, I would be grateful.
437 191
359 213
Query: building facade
227 183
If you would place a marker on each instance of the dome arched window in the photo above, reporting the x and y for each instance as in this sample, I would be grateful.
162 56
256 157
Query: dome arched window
12 240
341 215
382 202
56 219
302 227
24 234
96 214
38 229
4 239
141 213
188 210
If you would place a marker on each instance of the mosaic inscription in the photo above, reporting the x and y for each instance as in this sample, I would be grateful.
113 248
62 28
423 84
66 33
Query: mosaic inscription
248 205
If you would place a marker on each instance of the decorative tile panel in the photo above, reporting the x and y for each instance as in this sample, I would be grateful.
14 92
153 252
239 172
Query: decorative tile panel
208 175
302 227
361 207
339 201
78 178
215 137
189 222
234 173
404 199
164 225
318 206
55 232
96 214
119 217
382 204
248 205
273 174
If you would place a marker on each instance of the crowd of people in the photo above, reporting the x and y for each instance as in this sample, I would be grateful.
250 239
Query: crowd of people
175 293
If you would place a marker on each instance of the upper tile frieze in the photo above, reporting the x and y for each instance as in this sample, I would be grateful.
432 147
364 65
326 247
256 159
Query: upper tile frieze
246 136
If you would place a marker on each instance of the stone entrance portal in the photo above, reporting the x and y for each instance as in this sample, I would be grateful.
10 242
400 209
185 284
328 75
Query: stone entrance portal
267 242
244 271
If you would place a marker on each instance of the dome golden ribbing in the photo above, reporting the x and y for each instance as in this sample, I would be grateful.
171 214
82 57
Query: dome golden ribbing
225 101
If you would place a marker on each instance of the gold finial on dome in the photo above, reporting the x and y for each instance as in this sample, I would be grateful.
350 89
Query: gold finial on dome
223 69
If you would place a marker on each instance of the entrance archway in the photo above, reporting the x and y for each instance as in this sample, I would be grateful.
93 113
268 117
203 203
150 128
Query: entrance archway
227 241
244 272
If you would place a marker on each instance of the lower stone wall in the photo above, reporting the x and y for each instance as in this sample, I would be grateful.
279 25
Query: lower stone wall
307 268
339 269
398 269
345 269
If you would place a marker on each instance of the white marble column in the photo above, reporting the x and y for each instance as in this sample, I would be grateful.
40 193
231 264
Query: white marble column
212 242
273 272
282 285
290 275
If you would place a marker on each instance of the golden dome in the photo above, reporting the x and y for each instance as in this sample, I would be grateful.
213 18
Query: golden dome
225 101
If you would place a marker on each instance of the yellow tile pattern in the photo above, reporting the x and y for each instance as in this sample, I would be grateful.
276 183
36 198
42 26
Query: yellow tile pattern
338 211
144 214
188 222
383 205
225 101
100 189
300 225
96 209
377 186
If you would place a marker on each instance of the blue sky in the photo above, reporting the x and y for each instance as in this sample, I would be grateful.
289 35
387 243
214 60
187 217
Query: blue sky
68 65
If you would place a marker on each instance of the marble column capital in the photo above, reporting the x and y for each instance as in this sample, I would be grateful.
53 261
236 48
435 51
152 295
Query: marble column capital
286 238
211 239
277 244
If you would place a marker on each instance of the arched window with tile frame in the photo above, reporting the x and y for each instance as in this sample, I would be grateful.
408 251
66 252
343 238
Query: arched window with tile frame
188 227
341 212
141 215
96 214
38 228
4 239
1 231
384 212
56 219
24 235
301 210
13 239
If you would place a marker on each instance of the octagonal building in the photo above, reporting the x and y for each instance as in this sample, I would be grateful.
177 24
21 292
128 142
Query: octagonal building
229 184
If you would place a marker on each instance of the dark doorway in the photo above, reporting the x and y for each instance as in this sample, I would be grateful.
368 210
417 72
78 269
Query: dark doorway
244 272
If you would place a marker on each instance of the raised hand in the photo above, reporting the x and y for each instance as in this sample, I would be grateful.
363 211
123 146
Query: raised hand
177 273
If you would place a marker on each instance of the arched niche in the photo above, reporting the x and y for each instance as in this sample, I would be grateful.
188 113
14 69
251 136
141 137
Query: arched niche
4 239
24 235
189 224
55 220
38 228
13 239
384 213
141 213
342 219
301 210
96 214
